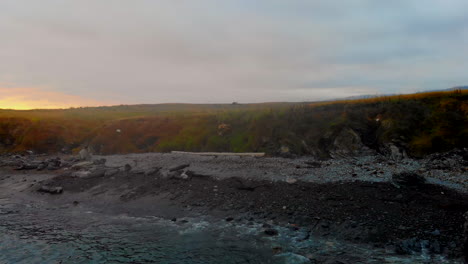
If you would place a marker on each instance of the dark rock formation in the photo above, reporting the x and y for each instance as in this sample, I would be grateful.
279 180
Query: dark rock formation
406 179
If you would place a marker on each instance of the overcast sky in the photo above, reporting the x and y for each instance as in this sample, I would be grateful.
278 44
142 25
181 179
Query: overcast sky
57 53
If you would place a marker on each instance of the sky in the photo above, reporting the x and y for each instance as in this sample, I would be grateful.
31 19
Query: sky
58 54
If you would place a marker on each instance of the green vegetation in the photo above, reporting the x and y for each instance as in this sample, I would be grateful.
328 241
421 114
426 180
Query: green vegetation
420 123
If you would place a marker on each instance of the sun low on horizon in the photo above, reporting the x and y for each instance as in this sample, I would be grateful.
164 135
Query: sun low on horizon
28 98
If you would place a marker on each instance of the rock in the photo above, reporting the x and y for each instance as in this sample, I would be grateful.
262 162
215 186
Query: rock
152 171
435 232
51 190
291 180
81 165
408 246
180 167
53 165
84 154
81 174
346 143
284 150
99 162
193 174
291 258
435 247
229 219
110 172
42 166
395 153
97 172
314 164
127 168
182 175
277 250
270 232
27 166
465 234
408 179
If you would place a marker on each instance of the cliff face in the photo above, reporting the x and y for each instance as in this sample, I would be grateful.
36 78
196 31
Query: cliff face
396 126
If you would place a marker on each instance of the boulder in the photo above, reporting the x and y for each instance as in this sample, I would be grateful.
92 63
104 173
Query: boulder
84 154
408 179
395 153
51 190
341 143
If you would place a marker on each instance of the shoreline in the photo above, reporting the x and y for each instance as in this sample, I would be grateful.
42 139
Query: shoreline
353 208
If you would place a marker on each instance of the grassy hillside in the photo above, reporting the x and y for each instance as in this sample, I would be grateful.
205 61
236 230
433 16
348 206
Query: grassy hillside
420 123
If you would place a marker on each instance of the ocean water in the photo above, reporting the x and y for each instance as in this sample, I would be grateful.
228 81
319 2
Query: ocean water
32 234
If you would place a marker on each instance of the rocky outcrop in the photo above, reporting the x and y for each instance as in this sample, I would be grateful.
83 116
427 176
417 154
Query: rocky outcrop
341 143
84 154
394 152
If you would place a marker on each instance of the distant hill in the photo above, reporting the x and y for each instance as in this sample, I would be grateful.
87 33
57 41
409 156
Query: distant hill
418 124
367 96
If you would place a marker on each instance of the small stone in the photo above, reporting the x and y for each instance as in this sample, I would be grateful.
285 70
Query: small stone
271 232
127 167
291 180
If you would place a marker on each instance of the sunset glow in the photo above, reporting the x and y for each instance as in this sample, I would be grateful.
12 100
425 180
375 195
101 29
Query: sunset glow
20 98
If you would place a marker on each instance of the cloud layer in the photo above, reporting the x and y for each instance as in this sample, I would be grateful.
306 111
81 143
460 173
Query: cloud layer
222 51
